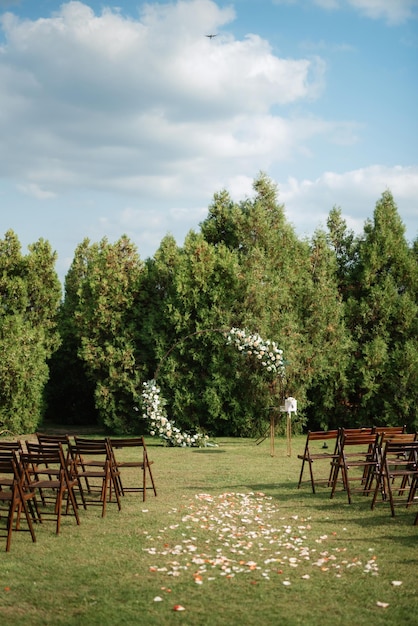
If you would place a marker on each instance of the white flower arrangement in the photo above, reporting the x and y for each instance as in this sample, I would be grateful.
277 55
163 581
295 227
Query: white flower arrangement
267 352
160 425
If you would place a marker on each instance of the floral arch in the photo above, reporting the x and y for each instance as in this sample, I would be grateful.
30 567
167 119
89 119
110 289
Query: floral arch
267 353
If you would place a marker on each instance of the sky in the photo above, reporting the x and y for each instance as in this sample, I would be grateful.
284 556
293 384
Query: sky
123 117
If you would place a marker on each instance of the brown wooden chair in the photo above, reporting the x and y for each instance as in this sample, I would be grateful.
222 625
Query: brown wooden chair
95 472
47 471
398 473
13 497
316 444
142 462
357 460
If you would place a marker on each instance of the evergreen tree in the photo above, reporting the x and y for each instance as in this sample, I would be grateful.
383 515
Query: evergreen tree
197 286
327 345
105 282
346 247
383 316
70 392
30 294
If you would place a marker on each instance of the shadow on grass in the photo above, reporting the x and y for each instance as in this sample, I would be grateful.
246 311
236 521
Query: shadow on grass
358 512
208 451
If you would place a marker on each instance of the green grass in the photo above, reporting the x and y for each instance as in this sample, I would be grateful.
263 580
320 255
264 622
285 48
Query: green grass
224 558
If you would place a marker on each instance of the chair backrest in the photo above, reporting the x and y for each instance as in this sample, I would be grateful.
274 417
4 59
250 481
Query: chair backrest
5 446
389 430
398 437
401 451
9 471
43 455
89 441
7 467
360 439
363 430
44 438
82 448
322 435
127 442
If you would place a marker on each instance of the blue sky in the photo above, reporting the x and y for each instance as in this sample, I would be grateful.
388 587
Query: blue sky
118 116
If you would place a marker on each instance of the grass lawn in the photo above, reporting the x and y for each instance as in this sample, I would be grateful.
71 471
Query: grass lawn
230 539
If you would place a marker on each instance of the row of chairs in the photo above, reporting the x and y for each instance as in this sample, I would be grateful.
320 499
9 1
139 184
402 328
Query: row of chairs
42 479
377 461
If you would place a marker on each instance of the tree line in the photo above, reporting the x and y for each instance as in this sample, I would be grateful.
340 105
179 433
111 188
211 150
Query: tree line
343 308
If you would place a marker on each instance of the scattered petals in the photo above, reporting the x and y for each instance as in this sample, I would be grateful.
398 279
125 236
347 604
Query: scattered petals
178 607
396 583
246 535
158 599
383 605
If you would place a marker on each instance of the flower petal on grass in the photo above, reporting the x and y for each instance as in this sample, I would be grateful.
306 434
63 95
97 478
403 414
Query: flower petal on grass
383 605
245 534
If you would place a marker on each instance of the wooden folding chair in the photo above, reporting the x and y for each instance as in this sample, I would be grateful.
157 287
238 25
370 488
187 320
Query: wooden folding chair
398 473
94 466
356 462
314 451
143 463
13 497
47 470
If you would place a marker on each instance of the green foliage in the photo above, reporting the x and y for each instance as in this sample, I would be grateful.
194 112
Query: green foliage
342 308
30 296
69 392
383 315
327 344
102 291
197 303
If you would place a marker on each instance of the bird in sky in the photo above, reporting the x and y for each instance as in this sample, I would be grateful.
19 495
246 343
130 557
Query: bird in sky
211 36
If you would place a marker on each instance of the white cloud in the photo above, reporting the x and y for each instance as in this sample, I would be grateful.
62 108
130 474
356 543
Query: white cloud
392 11
308 202
107 102
32 189
111 124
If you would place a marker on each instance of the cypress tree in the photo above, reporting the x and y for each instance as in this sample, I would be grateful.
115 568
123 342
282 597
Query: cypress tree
383 315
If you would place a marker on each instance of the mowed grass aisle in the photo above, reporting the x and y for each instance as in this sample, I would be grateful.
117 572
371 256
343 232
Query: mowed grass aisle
229 539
